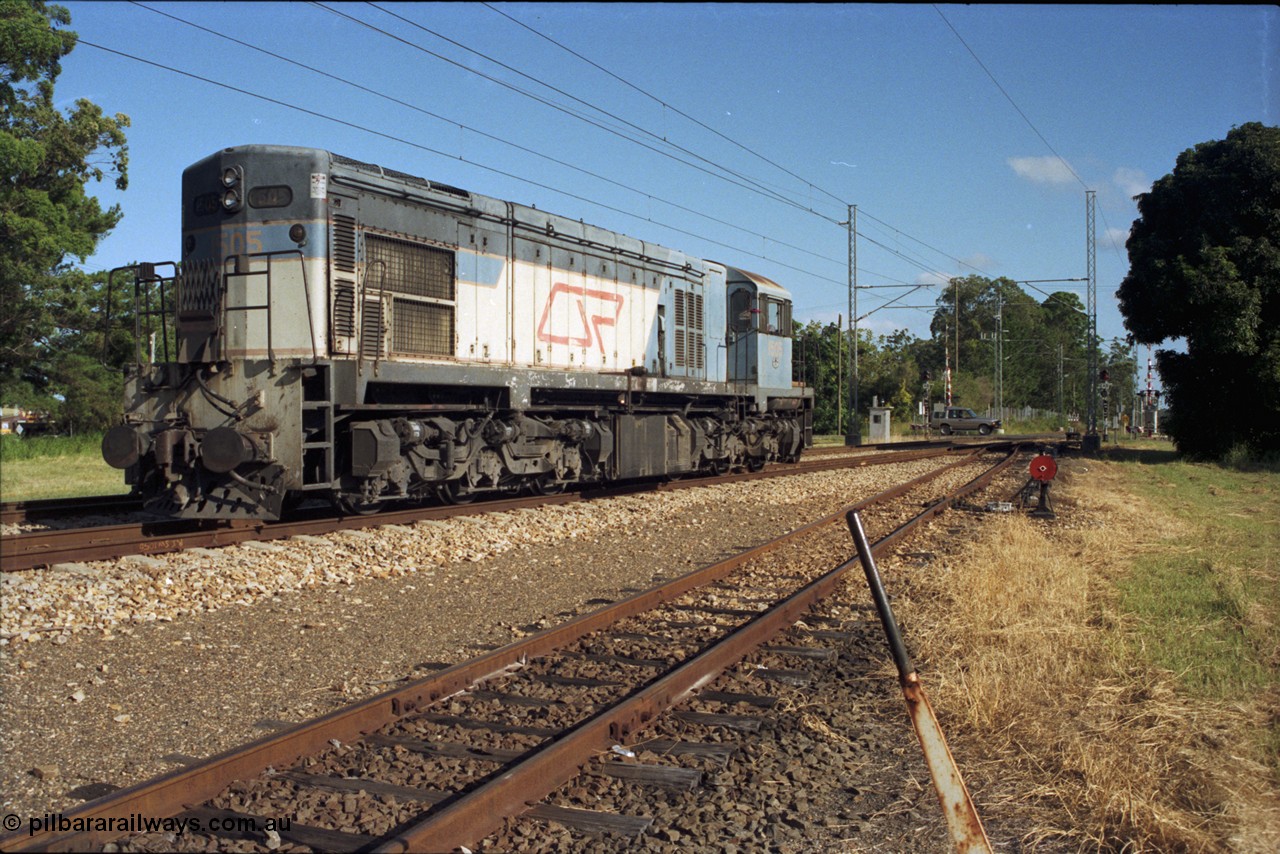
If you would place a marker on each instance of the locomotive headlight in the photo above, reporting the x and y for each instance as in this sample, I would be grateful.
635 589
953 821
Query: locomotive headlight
231 201
297 234
230 176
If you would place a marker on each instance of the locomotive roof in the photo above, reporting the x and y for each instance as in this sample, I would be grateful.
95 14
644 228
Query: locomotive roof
533 219
526 216
763 283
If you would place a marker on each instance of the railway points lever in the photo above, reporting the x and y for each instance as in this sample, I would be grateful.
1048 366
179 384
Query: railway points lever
963 823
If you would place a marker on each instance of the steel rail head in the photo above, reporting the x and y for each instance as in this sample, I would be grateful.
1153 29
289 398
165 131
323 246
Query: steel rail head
170 793
476 814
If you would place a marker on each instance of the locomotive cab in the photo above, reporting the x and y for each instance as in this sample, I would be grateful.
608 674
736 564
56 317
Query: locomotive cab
213 427
759 333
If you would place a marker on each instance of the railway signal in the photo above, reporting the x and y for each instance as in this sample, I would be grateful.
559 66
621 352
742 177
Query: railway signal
1043 470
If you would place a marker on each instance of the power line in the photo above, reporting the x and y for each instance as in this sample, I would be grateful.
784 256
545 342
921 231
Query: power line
504 141
734 142
605 112
461 158
493 137
750 183
664 104
1009 98
757 187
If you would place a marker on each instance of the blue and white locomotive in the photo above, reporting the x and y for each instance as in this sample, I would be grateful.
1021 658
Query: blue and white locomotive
346 331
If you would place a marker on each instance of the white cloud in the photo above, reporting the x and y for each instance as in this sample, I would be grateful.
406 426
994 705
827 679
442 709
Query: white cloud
932 279
1116 237
1132 181
1042 170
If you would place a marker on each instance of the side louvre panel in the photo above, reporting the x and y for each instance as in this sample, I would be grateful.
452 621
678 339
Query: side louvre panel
344 309
342 240
372 330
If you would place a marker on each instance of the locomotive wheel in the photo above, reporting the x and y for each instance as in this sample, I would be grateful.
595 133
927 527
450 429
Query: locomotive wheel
353 506
453 492
755 463
547 484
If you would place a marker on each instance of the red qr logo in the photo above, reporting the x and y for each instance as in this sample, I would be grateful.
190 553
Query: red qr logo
590 330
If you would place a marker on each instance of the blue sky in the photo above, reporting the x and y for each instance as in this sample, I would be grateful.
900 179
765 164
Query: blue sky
814 107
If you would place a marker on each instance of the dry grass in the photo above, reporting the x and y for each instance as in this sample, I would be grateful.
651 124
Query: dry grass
1022 638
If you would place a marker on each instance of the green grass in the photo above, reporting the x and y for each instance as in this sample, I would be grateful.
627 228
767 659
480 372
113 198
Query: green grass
56 467
1206 603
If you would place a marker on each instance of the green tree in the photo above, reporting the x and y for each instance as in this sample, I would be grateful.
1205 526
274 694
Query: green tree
46 216
1204 258
1063 380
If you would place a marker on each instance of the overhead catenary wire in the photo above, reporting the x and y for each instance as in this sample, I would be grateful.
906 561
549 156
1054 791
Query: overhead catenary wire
452 122
1030 124
730 176
761 187
902 254
460 158
484 134
666 105
736 143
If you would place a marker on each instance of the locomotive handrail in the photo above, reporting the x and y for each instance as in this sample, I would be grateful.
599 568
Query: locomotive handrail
382 314
147 276
306 292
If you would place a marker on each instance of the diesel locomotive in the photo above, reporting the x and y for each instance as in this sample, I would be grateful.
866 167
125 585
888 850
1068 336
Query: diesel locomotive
334 329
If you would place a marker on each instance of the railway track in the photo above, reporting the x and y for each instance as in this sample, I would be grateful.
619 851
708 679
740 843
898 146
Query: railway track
448 760
18 512
45 548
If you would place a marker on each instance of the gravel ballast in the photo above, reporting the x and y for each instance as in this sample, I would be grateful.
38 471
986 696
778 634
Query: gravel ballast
110 674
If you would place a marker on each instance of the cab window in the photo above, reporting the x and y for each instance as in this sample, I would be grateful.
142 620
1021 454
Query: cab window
740 317
777 316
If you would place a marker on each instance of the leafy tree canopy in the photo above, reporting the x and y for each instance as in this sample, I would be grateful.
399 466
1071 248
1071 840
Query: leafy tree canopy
1204 259
46 216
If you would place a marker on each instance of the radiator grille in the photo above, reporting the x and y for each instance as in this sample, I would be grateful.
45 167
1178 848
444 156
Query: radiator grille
415 285
408 268
421 328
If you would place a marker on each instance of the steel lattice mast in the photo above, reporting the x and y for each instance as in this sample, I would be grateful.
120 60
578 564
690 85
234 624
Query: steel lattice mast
1091 250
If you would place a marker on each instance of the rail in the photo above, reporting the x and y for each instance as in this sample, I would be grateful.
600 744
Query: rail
466 818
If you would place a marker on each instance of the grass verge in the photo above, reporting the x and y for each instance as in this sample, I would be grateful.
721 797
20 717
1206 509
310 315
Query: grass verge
1117 672
55 467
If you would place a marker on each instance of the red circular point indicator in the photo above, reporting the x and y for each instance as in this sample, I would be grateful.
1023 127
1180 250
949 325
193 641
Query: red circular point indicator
1043 468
